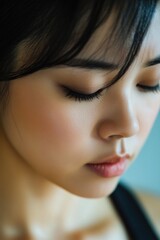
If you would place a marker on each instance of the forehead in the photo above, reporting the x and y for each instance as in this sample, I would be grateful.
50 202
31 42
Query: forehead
103 44
151 44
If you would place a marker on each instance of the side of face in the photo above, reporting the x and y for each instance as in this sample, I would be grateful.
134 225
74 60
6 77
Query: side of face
57 135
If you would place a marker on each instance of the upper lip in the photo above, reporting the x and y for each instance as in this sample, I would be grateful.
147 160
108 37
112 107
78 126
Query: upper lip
112 159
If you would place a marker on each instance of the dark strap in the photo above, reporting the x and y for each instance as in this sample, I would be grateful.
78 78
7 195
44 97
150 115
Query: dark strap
132 214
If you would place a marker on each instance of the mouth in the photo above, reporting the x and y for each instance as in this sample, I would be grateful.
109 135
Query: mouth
110 167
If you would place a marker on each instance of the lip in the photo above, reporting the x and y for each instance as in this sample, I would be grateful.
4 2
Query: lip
111 159
110 167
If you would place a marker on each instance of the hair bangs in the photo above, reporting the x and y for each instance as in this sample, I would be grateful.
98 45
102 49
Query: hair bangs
58 31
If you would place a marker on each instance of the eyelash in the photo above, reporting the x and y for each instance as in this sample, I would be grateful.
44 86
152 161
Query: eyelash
77 96
154 89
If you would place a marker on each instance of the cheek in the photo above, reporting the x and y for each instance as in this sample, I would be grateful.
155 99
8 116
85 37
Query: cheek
56 126
39 126
146 121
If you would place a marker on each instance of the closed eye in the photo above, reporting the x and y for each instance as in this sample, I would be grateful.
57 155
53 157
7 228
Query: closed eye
145 88
79 96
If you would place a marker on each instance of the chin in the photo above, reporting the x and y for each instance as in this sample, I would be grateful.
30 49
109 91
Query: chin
97 190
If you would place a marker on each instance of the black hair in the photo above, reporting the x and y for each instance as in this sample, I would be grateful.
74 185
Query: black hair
38 34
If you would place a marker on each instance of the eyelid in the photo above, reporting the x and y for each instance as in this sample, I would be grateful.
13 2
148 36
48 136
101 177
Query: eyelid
79 96
80 92
154 89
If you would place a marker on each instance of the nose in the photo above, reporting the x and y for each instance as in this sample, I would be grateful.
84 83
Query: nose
121 118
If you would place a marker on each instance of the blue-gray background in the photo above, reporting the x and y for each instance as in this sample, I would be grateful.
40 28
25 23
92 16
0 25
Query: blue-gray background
145 171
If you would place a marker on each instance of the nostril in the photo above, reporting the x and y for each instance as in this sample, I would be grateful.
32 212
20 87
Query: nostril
115 136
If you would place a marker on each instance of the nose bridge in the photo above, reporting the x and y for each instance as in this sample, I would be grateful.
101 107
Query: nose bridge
125 113
120 119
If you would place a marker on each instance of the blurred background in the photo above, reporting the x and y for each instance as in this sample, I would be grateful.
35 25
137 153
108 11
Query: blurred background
145 172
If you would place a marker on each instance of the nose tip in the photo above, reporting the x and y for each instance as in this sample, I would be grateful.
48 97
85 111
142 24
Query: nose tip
110 134
112 129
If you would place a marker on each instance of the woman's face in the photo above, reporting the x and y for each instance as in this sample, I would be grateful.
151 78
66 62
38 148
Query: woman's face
58 135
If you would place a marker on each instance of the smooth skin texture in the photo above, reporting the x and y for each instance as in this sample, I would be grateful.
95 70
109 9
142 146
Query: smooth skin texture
48 138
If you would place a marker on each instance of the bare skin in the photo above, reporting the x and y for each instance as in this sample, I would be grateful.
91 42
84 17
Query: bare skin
47 139
95 219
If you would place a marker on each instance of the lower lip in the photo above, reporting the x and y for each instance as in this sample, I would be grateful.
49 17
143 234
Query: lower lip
108 170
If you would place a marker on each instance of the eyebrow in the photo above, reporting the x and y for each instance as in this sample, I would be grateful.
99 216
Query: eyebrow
152 62
92 64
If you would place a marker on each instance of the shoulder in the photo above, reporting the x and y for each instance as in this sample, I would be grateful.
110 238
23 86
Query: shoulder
151 204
